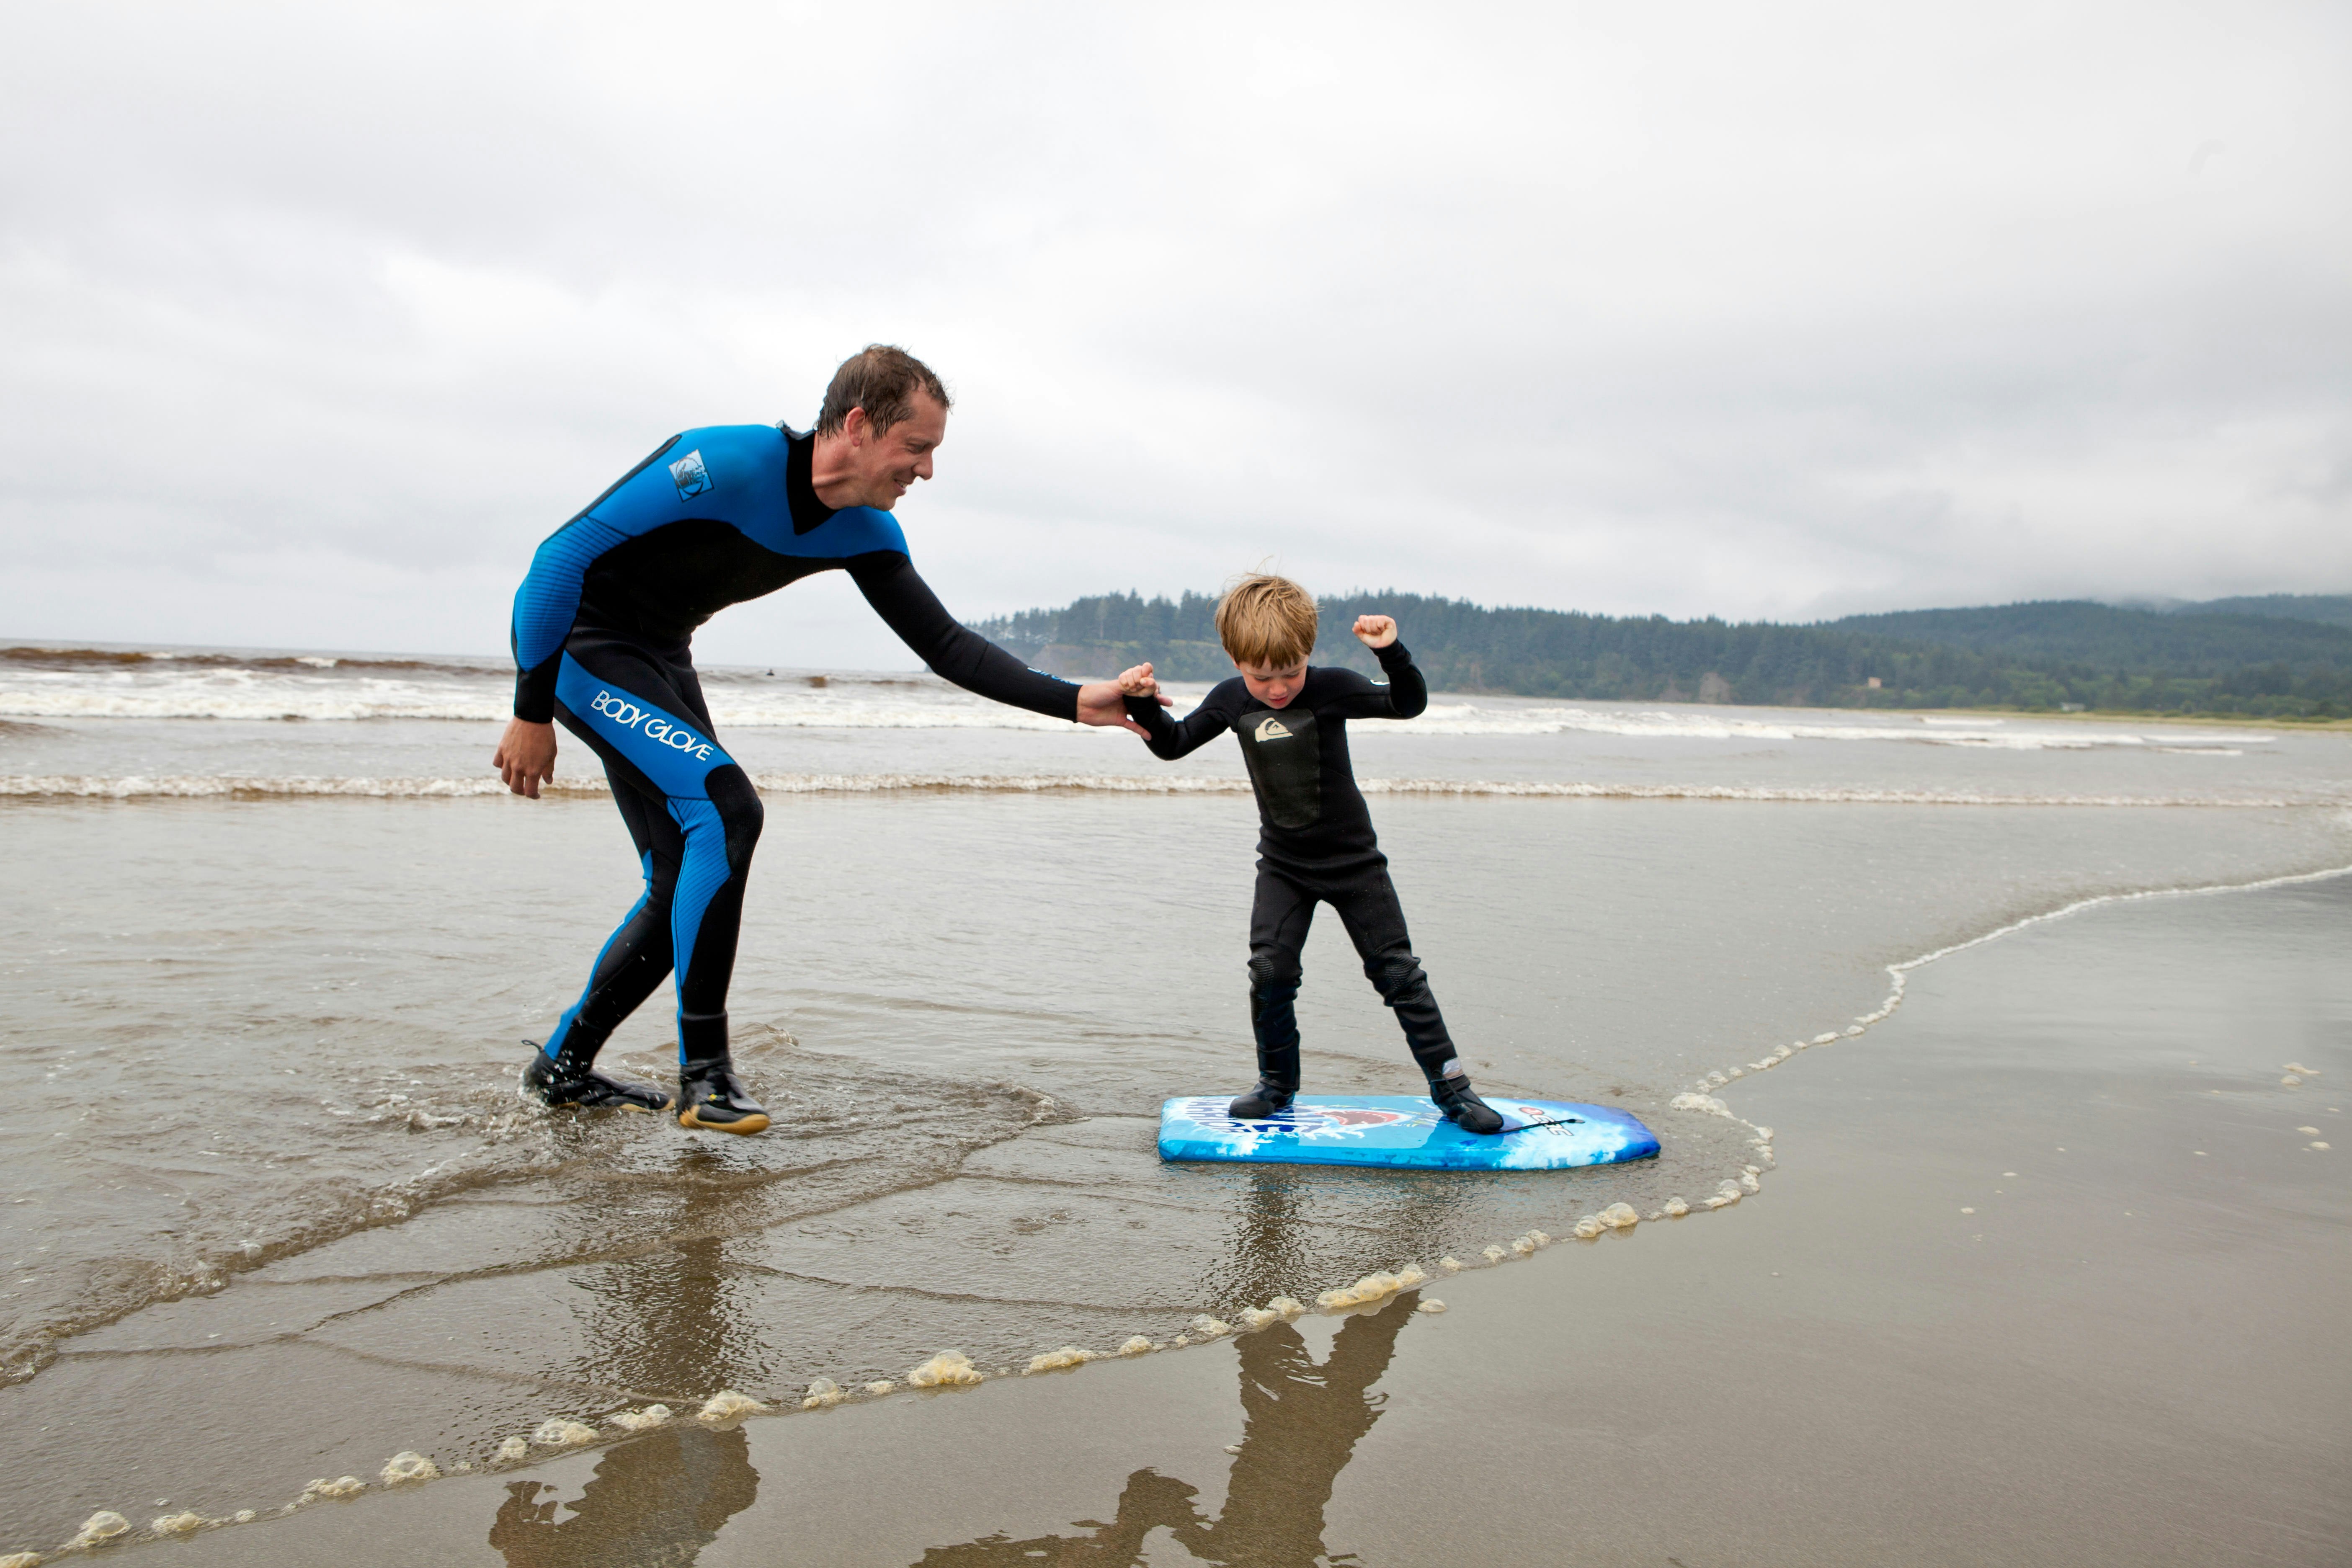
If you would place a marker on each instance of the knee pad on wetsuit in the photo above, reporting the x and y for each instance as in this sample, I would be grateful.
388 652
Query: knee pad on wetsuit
1271 978
1397 977
740 815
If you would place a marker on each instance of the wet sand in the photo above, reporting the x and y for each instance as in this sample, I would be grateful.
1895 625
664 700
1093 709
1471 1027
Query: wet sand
2047 1274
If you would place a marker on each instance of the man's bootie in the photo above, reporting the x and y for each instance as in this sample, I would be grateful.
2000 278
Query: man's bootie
565 1080
710 1095
1270 1096
1460 1104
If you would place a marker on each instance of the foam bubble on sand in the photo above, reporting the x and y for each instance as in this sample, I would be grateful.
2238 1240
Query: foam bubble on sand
1377 1287
103 1526
1619 1216
1135 1345
556 1432
1724 1195
2318 1145
1705 1102
1587 1228
2292 1082
1055 1361
644 1420
949 1369
340 1487
823 1393
1255 1318
247 1516
2299 1067
1451 1265
21 1560
1827 1040
2308 1132
512 1450
1181 1340
1494 1255
1750 1182
182 1523
1676 1207
408 1465
884 1387
1290 1306
726 1405
1205 1327
1432 1305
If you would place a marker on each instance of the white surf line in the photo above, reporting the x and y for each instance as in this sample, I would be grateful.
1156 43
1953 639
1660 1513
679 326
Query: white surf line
202 786
1702 1096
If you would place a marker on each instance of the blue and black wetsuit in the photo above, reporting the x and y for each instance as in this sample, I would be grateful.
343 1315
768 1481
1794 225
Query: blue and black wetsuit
602 633
1315 846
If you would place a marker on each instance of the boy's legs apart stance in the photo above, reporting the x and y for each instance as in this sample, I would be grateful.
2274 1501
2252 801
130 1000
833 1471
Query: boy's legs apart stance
1280 915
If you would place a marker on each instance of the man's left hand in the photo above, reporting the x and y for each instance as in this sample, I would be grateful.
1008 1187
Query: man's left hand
1101 702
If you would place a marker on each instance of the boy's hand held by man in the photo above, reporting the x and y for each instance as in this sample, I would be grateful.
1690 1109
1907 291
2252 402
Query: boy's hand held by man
1138 681
1376 631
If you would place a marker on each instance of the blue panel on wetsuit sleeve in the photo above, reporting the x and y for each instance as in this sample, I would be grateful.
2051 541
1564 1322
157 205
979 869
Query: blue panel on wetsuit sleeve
1408 1134
666 748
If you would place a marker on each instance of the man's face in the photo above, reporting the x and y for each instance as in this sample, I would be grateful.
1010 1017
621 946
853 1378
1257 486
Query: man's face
886 466
1274 685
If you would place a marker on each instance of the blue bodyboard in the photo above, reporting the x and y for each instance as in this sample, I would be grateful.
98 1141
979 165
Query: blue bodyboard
1404 1133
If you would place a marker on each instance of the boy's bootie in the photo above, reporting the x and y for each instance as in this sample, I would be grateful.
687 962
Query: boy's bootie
710 1095
1270 1096
566 1078
1460 1104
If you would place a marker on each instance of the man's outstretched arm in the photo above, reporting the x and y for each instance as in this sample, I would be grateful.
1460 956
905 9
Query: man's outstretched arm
957 654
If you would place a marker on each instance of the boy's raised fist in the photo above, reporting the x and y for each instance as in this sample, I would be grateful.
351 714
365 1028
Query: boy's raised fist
1376 631
1138 682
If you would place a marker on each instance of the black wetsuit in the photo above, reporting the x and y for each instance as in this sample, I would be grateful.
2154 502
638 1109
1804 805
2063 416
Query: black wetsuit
1316 845
603 629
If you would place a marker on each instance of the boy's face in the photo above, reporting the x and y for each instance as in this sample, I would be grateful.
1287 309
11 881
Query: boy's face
1274 685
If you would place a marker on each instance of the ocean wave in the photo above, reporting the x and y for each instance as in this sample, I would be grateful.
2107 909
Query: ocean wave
213 786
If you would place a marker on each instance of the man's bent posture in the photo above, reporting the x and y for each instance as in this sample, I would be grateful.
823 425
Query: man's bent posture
602 636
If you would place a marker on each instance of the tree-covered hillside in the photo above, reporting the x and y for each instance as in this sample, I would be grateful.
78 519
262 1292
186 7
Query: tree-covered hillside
2037 655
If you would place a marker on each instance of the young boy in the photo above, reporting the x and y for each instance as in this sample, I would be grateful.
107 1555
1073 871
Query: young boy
1314 834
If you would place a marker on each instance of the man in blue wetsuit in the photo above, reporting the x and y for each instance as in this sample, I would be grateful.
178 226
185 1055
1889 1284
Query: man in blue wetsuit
602 633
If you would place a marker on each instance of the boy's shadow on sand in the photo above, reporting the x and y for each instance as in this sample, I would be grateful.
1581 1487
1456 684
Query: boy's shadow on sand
1302 1422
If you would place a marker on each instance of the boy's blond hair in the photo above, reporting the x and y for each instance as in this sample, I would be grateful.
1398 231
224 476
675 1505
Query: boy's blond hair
1266 621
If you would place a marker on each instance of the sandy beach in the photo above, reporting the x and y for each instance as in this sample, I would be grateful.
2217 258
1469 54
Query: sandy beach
2046 1273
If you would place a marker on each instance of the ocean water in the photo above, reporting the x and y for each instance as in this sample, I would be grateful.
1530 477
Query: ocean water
274 934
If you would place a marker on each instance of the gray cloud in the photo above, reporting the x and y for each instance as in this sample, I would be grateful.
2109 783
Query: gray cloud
320 317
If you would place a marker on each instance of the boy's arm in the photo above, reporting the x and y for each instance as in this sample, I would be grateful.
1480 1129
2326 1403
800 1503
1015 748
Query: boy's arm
1404 696
1172 738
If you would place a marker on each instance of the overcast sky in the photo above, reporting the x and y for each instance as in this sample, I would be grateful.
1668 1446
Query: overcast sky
318 317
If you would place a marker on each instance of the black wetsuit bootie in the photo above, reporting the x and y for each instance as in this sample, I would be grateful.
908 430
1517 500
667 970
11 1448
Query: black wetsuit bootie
1270 1096
710 1096
565 1078
1460 1104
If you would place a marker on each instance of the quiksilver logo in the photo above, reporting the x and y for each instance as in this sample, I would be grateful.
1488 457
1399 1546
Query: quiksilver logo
691 478
652 726
1272 729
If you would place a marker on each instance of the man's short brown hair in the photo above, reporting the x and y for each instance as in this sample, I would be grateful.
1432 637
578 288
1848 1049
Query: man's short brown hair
882 379
1268 621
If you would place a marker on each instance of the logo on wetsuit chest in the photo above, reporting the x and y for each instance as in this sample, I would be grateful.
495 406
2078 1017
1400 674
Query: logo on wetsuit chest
1271 729
692 478
652 726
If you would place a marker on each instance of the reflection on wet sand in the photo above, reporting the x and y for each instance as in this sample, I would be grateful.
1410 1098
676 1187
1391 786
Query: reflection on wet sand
657 1500
654 1502
1303 1422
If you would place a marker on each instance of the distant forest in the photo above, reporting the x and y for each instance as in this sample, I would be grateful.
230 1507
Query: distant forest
2278 656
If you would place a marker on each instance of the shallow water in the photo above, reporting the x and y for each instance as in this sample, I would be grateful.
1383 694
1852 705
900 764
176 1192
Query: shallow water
260 1047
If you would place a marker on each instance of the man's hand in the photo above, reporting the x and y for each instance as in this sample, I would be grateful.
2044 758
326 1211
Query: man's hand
1138 682
1375 631
1102 702
525 756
